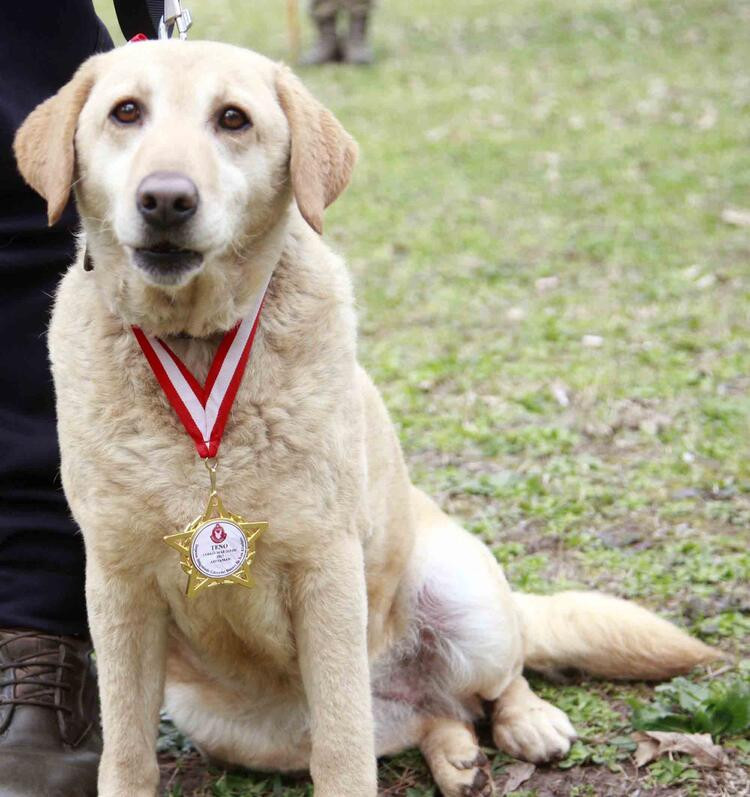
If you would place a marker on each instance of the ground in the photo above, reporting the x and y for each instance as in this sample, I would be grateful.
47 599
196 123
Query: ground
547 239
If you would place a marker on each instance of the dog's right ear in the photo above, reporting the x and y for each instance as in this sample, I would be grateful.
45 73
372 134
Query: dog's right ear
45 143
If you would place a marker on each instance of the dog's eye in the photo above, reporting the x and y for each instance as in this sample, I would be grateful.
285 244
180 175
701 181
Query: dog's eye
126 113
233 119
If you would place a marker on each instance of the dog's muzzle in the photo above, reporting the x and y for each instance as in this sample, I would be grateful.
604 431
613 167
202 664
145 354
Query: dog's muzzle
166 201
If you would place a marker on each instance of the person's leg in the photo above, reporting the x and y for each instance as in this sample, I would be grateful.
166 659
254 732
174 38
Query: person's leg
41 551
326 47
49 737
356 49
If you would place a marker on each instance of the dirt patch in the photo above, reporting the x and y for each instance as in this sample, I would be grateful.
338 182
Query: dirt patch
189 772
189 776
600 782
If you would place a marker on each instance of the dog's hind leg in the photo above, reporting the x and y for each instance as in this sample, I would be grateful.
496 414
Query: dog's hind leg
526 726
459 767
469 623
464 611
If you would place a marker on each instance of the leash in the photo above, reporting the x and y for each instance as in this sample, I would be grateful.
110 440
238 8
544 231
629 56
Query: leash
152 19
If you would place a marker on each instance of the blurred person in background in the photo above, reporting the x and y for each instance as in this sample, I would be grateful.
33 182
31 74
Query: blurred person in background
354 47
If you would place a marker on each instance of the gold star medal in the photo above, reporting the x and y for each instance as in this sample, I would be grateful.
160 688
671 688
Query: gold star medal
217 547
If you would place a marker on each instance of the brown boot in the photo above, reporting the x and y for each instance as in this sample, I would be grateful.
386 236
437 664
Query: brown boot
326 48
50 740
356 48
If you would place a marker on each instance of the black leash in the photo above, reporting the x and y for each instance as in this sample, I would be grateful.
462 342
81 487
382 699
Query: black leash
139 16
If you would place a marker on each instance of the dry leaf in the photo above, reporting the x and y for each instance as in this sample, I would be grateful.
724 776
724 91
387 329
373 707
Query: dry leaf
653 744
546 283
736 216
560 393
708 118
707 280
517 774
647 750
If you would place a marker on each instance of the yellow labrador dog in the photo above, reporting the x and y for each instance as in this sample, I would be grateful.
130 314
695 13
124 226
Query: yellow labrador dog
376 623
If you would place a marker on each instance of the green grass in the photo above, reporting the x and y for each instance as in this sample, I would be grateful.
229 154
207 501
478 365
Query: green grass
533 173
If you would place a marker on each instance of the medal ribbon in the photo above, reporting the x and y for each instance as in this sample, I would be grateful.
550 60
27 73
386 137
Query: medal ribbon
203 410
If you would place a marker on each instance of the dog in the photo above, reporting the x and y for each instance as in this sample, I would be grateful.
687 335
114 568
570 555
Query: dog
376 623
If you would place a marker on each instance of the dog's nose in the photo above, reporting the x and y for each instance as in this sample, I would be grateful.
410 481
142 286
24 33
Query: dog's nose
166 199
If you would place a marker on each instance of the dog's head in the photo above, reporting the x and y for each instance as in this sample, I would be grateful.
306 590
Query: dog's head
185 158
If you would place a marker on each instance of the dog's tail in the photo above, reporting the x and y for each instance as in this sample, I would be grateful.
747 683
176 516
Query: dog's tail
604 636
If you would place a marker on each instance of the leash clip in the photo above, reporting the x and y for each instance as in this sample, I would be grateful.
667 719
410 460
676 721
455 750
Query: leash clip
174 14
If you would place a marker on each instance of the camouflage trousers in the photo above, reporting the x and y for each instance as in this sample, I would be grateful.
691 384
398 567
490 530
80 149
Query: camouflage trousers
324 9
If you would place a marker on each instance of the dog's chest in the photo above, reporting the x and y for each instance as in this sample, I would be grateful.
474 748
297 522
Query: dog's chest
267 455
155 484
132 474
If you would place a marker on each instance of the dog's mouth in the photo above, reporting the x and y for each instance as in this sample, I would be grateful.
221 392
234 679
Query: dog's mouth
166 263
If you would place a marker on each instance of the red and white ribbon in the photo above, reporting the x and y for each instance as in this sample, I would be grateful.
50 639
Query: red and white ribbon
204 410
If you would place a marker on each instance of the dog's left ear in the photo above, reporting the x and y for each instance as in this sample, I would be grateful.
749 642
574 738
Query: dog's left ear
45 146
323 154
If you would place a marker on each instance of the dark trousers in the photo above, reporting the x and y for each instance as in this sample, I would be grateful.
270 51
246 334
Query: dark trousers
41 550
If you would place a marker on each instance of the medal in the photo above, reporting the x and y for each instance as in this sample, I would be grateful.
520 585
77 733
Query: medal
218 547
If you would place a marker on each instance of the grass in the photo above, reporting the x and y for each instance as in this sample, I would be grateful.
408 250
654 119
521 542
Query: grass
556 313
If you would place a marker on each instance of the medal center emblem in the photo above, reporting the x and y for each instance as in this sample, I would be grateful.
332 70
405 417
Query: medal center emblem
218 549
218 534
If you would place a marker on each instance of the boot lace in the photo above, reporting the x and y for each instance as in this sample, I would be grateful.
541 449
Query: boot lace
44 675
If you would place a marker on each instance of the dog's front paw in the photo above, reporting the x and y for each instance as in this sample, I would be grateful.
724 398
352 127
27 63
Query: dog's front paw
337 784
337 790
126 791
536 731
119 782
